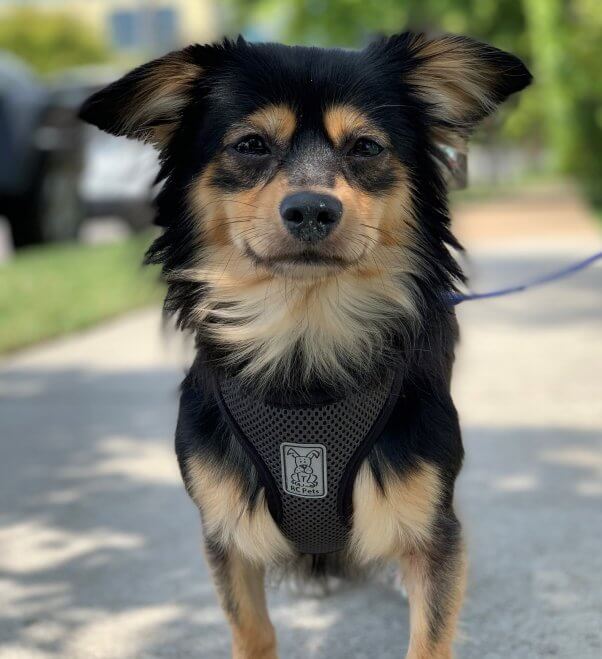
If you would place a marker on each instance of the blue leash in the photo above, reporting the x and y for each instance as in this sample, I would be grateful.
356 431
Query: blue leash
457 298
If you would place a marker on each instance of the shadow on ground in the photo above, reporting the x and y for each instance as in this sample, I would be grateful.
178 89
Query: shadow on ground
100 546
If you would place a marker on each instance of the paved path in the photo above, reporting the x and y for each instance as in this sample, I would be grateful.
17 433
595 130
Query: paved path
99 546
554 210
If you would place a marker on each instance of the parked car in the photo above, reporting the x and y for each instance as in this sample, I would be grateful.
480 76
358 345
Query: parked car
118 174
41 157
117 179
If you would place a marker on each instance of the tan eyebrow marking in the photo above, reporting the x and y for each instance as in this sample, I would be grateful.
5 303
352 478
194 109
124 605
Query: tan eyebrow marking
345 121
277 122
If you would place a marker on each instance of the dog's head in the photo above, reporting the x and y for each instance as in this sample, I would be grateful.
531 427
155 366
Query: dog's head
317 169
303 460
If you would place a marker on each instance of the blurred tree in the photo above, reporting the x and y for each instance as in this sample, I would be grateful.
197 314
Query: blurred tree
561 40
582 84
549 49
49 41
352 22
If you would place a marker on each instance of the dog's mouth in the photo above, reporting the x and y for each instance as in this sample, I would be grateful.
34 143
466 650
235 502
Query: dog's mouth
308 258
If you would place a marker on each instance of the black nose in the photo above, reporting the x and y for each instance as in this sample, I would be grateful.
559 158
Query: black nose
310 216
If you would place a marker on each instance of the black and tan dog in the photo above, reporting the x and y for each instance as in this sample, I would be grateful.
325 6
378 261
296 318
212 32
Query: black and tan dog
306 244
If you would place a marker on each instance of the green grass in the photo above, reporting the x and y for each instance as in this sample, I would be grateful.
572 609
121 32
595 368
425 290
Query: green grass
485 192
52 290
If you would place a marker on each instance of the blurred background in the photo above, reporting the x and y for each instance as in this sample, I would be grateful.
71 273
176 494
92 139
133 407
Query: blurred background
63 182
98 544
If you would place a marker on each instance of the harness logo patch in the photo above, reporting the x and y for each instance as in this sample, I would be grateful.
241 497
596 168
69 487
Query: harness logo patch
304 469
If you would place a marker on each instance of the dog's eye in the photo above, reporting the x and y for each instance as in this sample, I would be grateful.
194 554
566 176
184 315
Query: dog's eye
253 145
365 148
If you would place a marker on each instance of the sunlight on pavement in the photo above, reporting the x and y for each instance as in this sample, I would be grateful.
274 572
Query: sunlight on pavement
154 461
33 545
584 458
102 557
123 634
516 483
305 614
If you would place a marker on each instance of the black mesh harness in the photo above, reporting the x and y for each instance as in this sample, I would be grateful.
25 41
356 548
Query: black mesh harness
307 455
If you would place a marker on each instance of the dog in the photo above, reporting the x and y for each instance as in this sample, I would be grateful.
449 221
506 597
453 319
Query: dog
306 245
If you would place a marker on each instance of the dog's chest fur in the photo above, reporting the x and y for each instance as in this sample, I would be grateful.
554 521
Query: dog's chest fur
399 489
384 522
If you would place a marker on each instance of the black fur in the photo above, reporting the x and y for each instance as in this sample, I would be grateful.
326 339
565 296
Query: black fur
236 78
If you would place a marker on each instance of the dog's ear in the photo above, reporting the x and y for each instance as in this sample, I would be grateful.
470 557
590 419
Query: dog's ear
147 103
313 454
292 451
459 80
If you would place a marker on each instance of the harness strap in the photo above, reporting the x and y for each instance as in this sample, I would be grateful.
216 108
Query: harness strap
457 298
307 455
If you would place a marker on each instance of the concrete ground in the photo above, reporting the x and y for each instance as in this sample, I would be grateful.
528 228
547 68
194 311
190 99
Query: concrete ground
99 545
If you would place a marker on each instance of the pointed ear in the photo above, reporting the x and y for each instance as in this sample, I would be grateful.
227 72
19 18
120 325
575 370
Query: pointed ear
292 451
460 80
147 103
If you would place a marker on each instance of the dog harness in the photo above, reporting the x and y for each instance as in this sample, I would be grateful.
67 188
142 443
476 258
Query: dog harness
307 455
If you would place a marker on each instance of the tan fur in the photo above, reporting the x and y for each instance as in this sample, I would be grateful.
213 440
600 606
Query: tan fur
452 77
267 317
398 520
325 312
161 95
227 518
368 221
344 122
253 635
263 229
389 525
396 212
207 202
275 122
241 590
263 316
421 590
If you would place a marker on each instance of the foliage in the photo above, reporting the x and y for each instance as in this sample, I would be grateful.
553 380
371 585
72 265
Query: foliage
49 41
54 289
561 40
584 89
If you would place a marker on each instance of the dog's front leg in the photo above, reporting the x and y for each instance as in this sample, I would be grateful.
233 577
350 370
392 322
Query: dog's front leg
434 577
240 585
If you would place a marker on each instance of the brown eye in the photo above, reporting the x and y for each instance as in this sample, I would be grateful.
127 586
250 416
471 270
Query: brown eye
365 148
253 145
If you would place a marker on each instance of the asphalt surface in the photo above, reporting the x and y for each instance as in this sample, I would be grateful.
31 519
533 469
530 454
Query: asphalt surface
99 545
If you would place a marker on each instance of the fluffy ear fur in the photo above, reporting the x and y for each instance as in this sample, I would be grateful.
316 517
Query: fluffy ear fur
460 80
148 102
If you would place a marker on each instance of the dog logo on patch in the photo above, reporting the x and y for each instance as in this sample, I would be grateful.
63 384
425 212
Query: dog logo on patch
304 469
